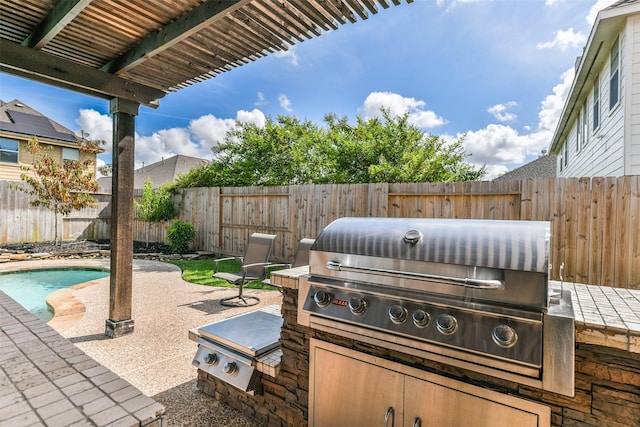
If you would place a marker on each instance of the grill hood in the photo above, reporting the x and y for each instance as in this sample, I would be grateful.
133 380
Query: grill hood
512 245
503 262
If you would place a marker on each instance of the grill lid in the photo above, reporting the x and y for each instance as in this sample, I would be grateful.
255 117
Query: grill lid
252 334
508 245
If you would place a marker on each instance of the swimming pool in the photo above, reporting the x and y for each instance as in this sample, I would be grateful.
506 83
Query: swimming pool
31 287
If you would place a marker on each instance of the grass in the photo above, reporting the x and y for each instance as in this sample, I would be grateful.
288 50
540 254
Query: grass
201 271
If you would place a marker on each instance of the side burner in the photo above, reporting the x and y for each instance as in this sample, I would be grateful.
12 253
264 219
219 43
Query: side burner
228 349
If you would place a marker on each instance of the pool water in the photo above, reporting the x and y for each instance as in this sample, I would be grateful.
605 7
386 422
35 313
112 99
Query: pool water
30 288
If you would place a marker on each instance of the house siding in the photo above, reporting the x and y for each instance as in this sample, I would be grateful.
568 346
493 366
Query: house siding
12 172
632 157
602 154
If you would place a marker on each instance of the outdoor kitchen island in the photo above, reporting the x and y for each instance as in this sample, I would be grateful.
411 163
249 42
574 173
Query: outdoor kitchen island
607 368
605 360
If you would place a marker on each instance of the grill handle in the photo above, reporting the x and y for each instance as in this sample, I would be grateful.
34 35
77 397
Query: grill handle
470 283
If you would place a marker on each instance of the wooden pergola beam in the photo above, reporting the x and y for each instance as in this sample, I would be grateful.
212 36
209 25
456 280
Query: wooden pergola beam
63 13
185 26
39 66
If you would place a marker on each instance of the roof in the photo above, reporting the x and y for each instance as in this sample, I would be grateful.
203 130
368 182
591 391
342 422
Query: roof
159 173
139 50
603 33
18 118
542 167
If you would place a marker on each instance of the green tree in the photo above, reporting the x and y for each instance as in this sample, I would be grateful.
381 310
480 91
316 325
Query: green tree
61 188
154 205
289 151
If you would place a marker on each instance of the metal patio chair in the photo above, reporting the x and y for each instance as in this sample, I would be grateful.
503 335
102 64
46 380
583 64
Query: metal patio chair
254 267
300 258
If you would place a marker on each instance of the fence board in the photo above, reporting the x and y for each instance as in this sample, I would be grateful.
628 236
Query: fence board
571 221
623 228
634 243
595 222
609 231
596 229
583 228
558 224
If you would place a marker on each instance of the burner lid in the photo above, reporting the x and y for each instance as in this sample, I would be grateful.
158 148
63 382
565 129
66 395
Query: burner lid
252 333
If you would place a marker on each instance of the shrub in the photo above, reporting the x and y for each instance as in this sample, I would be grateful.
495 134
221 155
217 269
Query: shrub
180 234
155 205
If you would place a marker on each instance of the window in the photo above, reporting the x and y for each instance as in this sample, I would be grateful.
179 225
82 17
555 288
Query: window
581 127
585 126
9 150
69 154
614 79
565 157
596 103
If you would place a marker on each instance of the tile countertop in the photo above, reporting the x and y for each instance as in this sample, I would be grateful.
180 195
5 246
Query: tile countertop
606 316
603 315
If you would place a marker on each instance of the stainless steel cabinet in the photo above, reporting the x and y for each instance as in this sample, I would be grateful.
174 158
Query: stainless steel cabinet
352 389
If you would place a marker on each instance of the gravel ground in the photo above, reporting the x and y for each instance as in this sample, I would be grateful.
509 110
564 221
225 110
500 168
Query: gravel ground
83 245
188 406
156 357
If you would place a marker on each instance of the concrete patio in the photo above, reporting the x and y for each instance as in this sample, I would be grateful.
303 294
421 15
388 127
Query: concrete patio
156 358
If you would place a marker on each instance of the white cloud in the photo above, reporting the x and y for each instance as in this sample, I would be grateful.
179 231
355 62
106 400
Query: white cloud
255 116
164 144
453 3
285 103
497 146
289 55
260 101
98 126
552 105
564 40
399 105
196 140
499 111
210 130
99 164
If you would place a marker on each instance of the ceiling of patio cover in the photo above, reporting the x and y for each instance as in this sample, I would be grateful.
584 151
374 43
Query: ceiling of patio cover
142 49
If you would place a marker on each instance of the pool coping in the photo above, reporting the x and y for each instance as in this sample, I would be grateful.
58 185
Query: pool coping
67 309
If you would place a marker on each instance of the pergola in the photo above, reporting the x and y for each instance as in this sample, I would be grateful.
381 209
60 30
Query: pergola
134 52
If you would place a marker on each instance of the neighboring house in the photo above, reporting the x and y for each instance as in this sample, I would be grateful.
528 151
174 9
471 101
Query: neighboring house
599 131
159 173
18 124
542 167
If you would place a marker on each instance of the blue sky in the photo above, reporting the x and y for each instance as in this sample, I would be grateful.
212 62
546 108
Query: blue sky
495 70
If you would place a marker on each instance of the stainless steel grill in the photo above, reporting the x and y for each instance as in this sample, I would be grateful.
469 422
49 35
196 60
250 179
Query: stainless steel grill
471 293
228 349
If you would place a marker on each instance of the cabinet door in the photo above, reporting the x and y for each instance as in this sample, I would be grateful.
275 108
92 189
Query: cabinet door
351 393
439 405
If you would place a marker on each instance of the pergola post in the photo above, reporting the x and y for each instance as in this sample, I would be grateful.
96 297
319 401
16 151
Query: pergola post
120 322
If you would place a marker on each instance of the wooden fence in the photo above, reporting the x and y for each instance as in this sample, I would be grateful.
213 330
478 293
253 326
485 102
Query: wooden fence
595 222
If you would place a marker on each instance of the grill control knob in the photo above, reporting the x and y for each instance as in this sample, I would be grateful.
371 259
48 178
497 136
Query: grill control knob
398 314
322 298
505 336
357 305
230 368
421 318
211 359
447 324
